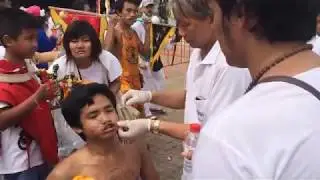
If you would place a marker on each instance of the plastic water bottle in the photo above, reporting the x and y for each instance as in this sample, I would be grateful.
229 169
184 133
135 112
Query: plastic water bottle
189 145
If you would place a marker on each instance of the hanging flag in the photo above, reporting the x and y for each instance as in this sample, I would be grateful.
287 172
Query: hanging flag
160 37
63 17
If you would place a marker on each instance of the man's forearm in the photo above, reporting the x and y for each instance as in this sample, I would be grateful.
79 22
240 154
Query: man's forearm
46 57
174 130
170 98
15 114
108 43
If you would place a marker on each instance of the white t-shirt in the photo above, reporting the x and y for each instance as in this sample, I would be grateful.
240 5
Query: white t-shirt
106 70
12 158
2 52
213 83
272 132
96 72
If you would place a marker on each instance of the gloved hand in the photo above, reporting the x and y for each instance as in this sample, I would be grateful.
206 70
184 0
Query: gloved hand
136 97
133 128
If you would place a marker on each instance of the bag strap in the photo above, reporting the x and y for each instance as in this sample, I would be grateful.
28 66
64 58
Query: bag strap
294 81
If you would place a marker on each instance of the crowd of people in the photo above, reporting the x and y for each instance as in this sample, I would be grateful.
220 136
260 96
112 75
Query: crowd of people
252 84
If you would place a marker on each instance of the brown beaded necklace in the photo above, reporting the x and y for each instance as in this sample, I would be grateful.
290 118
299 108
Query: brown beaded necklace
277 60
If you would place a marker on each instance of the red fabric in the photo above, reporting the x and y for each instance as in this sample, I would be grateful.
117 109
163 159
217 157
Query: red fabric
93 20
39 124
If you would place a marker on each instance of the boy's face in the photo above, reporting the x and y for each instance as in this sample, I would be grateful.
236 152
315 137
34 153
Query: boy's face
99 120
25 45
129 13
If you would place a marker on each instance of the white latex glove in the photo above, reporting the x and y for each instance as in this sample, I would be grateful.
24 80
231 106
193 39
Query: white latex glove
133 128
136 97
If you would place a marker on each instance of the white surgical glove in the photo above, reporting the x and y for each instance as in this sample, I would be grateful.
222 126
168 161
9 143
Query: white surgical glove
136 97
133 128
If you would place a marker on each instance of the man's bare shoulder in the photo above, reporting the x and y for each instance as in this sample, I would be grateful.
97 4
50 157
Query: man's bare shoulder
68 167
139 145
118 32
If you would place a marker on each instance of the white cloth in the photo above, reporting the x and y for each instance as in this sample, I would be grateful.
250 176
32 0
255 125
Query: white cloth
2 52
12 158
96 72
213 82
316 45
272 132
138 27
112 68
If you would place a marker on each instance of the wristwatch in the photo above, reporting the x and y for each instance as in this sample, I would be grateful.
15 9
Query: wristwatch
155 126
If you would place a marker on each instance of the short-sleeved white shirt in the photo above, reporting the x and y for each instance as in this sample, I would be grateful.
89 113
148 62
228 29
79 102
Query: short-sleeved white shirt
272 132
211 84
104 70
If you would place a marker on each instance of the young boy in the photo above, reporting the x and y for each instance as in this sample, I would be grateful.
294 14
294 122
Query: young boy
125 44
28 140
90 109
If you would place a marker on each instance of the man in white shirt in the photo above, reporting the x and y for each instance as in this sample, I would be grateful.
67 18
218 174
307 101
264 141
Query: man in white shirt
153 80
272 132
211 84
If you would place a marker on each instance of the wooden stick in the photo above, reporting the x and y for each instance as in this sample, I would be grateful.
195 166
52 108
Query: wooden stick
76 11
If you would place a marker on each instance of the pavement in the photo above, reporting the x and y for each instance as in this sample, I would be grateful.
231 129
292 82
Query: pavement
165 150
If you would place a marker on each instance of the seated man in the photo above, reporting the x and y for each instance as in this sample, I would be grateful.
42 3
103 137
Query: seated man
90 109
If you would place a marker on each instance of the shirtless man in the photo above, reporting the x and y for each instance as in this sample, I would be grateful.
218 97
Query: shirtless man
90 109
125 44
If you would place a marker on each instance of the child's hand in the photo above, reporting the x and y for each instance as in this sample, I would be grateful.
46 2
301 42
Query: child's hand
47 91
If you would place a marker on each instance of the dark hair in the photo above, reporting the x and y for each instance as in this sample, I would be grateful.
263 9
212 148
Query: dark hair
14 21
78 29
118 5
197 9
276 20
81 96
79 4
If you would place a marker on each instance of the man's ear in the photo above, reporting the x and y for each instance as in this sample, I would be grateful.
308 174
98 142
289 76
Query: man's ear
77 130
7 41
118 13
